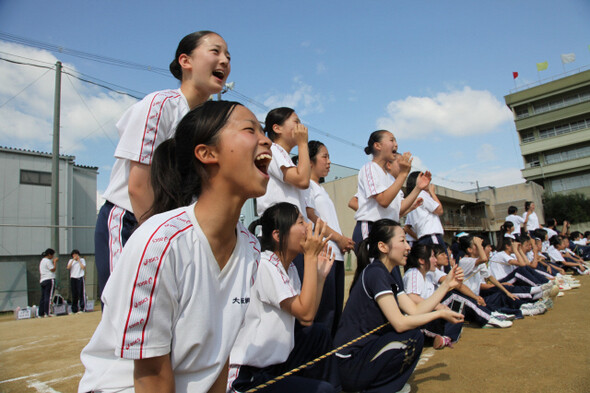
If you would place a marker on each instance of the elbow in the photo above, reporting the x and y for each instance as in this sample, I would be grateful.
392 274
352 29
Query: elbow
303 184
439 211
305 321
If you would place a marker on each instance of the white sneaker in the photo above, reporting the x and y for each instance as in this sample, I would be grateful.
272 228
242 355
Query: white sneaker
495 322
405 389
565 287
503 317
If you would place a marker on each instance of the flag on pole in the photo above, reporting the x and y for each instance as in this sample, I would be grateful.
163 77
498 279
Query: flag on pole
568 58
542 66
514 75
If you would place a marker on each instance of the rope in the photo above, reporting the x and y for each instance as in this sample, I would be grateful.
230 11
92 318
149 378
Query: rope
316 360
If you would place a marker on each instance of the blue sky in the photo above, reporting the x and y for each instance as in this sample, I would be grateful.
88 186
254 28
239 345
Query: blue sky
432 72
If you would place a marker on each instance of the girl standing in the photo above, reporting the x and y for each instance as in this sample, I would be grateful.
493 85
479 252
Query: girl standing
287 181
173 308
383 361
333 294
379 193
268 344
202 65
47 268
77 268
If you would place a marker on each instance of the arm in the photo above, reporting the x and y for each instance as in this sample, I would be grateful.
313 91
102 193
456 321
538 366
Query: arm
409 231
439 210
82 265
402 323
519 261
354 203
482 257
422 184
304 306
344 243
154 375
140 189
54 265
452 280
464 289
501 287
220 384
299 175
70 263
385 198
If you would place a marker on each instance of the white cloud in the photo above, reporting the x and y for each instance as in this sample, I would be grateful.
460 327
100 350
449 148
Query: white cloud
456 113
486 152
321 68
303 99
88 113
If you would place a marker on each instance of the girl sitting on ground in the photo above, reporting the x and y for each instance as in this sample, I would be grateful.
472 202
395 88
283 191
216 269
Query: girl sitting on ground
419 284
384 360
268 344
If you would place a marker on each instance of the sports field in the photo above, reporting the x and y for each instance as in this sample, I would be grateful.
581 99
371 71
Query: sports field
546 353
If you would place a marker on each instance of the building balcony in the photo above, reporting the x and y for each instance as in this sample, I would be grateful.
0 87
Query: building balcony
544 171
552 116
555 142
462 222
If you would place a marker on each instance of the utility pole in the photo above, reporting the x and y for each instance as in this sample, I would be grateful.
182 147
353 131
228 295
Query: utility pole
55 164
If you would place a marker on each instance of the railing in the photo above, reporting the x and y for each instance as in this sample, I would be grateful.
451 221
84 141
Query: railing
461 220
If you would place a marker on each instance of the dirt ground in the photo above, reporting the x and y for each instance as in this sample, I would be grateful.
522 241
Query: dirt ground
546 353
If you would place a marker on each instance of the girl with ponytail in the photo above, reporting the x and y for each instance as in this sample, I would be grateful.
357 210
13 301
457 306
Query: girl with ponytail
268 343
384 360
202 65
173 308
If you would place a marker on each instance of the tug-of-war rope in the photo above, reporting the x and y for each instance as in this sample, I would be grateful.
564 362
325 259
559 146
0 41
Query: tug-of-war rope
314 361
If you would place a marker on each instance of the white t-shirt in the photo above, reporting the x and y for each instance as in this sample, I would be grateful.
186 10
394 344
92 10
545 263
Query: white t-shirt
474 275
550 233
533 222
75 270
142 128
416 283
554 254
277 189
424 221
373 180
517 221
499 264
581 242
45 272
170 297
435 276
324 208
267 335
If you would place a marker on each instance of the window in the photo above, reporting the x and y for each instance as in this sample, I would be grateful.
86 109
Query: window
570 183
560 102
527 136
532 161
521 112
567 155
35 178
564 128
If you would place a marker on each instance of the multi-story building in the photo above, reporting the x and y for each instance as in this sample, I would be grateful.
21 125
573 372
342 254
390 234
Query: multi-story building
25 222
553 122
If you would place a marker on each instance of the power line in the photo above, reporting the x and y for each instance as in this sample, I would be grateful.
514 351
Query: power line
158 70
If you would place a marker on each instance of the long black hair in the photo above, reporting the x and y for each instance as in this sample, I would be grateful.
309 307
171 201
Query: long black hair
381 231
185 47
276 116
177 176
280 216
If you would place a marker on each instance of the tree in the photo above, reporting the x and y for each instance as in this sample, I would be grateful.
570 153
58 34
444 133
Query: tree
572 207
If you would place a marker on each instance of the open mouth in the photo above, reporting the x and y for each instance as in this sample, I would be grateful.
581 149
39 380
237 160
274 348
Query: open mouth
262 162
219 74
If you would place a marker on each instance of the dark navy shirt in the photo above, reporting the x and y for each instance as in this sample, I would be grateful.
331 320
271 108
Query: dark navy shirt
362 313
